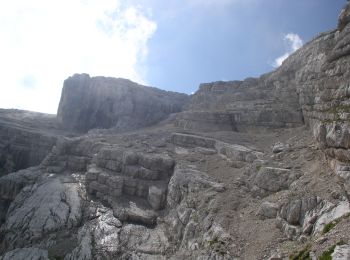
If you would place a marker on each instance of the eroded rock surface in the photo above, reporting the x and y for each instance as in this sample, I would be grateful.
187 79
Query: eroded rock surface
25 138
48 206
238 176
100 102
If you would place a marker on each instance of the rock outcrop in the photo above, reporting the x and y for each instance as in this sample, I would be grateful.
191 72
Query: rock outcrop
311 87
100 102
270 101
25 138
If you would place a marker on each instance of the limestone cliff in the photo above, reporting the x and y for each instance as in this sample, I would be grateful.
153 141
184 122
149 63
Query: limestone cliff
100 102
312 86
239 176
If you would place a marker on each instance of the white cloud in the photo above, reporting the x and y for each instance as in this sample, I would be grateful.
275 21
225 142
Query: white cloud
293 42
210 2
43 42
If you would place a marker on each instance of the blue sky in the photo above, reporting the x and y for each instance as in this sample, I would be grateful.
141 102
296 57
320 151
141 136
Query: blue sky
174 44
227 40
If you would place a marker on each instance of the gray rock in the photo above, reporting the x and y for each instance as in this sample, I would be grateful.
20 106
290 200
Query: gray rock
269 180
12 184
229 106
309 215
84 249
100 102
187 140
106 234
341 252
205 151
156 197
206 121
25 138
26 253
49 206
134 213
236 152
141 240
279 147
267 210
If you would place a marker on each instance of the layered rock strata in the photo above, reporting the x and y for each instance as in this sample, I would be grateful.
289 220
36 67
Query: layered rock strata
99 102
311 87
25 138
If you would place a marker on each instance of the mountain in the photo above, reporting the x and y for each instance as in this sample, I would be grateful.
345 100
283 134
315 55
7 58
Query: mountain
253 169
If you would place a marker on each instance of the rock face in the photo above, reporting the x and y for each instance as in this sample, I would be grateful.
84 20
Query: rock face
113 202
26 253
47 207
311 87
141 178
323 86
101 102
202 189
341 252
25 138
271 100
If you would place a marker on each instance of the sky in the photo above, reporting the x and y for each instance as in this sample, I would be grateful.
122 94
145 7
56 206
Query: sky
173 45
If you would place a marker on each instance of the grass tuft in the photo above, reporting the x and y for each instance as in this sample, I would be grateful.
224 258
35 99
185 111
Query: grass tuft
327 255
304 254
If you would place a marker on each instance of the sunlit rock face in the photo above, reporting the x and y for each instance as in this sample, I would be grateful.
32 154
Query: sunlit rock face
99 102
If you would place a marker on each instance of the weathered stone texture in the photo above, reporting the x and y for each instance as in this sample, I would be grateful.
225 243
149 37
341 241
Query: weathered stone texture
100 102
25 139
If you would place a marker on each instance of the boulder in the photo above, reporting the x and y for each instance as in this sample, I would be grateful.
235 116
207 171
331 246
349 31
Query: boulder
270 180
236 152
131 212
279 147
267 210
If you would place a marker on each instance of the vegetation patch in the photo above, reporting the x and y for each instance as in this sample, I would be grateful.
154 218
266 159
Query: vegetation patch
328 227
218 246
337 111
304 254
327 255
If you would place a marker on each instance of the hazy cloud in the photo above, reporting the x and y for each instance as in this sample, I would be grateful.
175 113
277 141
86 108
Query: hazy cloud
51 40
28 81
293 43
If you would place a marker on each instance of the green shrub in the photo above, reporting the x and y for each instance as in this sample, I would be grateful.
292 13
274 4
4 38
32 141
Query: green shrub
328 227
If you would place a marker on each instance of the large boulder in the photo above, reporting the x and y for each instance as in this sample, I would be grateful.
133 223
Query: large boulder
268 180
100 102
